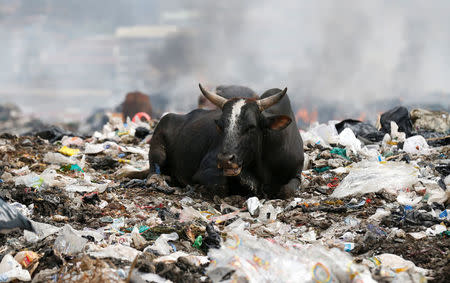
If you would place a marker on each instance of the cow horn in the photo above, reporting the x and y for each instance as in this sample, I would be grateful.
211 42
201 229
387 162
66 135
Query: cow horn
216 99
265 103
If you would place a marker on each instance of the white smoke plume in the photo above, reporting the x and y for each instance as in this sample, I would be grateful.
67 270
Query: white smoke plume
346 54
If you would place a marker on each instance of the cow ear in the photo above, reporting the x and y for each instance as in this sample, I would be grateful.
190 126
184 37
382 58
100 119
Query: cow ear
278 122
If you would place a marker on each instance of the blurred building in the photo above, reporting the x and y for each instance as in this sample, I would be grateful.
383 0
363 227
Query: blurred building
75 56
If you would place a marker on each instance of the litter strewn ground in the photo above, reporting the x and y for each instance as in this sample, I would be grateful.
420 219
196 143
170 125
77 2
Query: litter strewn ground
366 212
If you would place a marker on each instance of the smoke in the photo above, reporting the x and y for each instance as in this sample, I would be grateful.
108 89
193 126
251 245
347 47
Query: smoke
347 52
344 55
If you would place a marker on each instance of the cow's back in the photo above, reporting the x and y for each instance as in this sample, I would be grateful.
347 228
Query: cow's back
187 139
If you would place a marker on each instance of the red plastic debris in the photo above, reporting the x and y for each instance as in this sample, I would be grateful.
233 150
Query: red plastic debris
334 183
141 115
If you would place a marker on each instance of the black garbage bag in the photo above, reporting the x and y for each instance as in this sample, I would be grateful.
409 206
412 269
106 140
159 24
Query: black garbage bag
142 132
403 217
212 239
400 115
11 219
50 133
361 129
102 163
135 183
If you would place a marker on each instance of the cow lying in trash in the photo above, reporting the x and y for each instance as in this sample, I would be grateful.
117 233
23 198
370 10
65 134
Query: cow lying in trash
246 146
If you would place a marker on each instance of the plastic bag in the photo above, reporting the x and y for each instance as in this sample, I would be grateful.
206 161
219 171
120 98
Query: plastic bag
41 231
416 145
253 205
369 177
10 270
395 134
267 213
400 116
116 251
397 264
408 198
138 241
69 242
68 141
56 158
348 139
161 246
260 260
31 180
361 129
94 148
11 219
327 133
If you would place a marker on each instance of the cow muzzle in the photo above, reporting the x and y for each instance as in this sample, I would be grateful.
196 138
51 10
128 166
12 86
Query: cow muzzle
228 163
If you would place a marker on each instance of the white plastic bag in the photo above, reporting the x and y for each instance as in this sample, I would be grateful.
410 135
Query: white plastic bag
69 242
253 205
369 177
116 251
416 145
348 139
10 270
161 246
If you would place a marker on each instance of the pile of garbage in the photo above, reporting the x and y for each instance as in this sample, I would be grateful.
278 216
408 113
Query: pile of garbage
373 206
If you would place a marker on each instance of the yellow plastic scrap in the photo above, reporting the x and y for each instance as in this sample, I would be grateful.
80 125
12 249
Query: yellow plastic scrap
124 161
401 269
122 133
209 214
375 260
69 151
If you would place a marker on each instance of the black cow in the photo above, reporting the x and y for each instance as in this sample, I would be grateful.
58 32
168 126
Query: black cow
245 144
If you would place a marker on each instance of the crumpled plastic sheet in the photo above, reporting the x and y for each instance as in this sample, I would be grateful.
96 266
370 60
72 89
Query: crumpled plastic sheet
245 257
42 231
10 270
69 242
161 246
369 177
416 145
396 266
116 251
348 139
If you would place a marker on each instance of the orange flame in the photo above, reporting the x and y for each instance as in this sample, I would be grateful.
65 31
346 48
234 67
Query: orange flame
306 116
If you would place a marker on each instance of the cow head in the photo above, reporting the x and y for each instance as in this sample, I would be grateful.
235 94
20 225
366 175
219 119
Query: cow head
242 126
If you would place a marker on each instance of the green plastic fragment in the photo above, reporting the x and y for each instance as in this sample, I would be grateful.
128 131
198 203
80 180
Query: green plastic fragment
143 228
75 167
322 169
65 167
198 242
37 183
340 151
388 154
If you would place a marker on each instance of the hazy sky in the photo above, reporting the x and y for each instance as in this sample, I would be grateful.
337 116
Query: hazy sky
351 52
